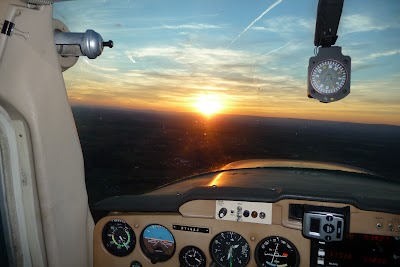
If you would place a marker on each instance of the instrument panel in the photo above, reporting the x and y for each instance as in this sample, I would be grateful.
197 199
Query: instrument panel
198 237
228 243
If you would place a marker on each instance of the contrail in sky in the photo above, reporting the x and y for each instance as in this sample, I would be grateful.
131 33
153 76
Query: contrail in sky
270 52
257 19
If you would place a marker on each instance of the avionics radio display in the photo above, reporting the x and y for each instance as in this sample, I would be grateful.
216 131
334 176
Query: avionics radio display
358 250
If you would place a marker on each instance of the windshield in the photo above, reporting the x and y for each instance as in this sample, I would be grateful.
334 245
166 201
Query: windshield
191 86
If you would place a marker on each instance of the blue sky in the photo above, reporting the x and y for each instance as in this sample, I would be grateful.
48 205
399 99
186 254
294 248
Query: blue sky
170 54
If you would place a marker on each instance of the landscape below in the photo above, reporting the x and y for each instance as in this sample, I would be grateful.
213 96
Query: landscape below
132 152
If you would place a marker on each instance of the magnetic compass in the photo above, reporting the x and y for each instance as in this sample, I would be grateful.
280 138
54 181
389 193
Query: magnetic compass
329 75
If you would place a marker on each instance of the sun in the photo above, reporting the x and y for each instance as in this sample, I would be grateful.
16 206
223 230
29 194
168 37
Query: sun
208 105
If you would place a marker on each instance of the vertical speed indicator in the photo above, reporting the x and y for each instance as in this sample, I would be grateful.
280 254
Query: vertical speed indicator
191 256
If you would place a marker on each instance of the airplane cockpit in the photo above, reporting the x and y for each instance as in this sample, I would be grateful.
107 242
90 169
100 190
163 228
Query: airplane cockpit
199 133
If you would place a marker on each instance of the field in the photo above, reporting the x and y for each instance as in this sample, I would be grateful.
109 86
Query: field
132 152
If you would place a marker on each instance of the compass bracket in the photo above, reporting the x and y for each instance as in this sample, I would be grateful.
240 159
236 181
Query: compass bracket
328 18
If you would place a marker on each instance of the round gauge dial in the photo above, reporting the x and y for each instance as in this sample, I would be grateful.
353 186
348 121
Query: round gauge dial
276 251
118 238
191 256
328 76
157 243
230 249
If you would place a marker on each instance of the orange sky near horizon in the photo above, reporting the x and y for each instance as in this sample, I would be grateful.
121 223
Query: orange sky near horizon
310 109
243 90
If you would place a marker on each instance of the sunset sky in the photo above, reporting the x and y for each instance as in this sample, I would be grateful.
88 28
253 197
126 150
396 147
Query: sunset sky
181 55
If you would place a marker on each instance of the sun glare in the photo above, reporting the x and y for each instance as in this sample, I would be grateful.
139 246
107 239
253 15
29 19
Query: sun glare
208 105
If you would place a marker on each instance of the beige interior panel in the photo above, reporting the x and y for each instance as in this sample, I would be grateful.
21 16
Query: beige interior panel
57 155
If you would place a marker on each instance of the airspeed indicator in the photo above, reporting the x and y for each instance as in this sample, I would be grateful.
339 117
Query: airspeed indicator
118 238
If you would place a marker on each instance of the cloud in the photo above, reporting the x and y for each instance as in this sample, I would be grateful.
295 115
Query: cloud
171 68
384 54
192 26
232 74
218 59
286 24
279 48
362 23
131 59
174 88
364 62
257 19
97 67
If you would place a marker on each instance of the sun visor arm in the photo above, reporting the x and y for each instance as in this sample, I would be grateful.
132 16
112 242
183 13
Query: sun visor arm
90 43
70 46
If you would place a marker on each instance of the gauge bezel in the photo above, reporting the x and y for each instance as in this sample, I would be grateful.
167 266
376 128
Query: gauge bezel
111 248
188 248
154 258
217 235
280 238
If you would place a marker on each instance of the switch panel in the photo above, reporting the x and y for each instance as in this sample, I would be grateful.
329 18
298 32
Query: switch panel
242 211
